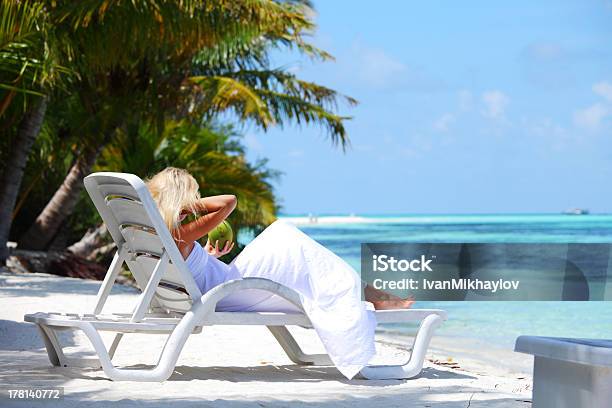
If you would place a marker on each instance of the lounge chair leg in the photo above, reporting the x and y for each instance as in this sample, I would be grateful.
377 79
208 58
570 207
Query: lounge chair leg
114 345
54 349
167 360
293 349
56 352
414 365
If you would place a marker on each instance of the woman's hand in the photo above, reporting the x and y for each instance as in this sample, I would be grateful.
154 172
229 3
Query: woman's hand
216 251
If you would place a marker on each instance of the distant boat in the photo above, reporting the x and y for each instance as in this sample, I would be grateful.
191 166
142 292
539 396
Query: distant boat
576 211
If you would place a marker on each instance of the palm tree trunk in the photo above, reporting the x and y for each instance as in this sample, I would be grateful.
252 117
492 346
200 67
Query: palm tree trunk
92 240
10 181
41 233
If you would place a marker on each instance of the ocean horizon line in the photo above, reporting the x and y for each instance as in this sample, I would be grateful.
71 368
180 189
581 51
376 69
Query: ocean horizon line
516 218
418 214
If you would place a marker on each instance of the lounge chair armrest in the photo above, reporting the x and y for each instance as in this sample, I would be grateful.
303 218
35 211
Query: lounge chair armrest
219 292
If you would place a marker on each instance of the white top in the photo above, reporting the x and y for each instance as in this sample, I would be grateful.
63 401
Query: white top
209 272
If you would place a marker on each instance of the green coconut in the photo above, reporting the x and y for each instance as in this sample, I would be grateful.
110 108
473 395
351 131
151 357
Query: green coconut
222 233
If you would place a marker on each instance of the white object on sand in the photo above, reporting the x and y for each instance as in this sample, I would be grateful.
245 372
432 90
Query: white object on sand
171 301
569 373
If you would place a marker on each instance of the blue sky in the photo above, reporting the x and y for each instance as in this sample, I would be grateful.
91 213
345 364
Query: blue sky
465 107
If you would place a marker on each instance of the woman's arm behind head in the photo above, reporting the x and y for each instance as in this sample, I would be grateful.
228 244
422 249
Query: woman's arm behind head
215 209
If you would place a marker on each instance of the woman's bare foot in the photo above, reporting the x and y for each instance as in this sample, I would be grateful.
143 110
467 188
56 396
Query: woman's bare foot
385 301
398 303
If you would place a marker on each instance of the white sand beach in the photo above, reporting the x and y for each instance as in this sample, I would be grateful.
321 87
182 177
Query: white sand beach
230 366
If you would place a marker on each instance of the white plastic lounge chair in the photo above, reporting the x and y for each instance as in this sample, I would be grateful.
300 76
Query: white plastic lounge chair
569 373
171 302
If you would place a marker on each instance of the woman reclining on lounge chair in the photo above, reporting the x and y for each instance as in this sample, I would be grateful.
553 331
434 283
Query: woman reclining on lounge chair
329 288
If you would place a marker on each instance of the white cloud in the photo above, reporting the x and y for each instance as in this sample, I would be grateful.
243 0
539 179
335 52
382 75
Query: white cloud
544 51
377 67
295 153
388 139
603 89
545 127
294 69
553 134
252 143
495 103
405 152
466 100
420 142
363 147
442 123
591 117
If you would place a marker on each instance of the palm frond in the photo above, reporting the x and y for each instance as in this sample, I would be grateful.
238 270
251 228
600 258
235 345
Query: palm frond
213 154
222 93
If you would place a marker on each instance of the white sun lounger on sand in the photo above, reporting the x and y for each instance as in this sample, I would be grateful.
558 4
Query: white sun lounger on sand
569 373
171 302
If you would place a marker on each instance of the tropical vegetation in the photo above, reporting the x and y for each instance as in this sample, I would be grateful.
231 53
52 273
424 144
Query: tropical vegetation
138 85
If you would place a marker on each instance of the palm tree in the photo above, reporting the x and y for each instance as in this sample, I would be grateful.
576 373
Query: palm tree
214 155
181 59
21 50
27 70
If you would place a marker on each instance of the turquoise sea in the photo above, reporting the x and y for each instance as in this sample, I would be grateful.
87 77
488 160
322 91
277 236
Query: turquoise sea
495 323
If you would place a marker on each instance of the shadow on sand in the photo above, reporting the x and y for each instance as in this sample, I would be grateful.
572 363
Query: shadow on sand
48 287
32 369
20 336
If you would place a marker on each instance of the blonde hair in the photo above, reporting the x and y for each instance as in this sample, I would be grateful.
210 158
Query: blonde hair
174 190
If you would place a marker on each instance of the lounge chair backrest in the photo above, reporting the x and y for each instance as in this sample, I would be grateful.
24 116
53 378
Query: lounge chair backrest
135 224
